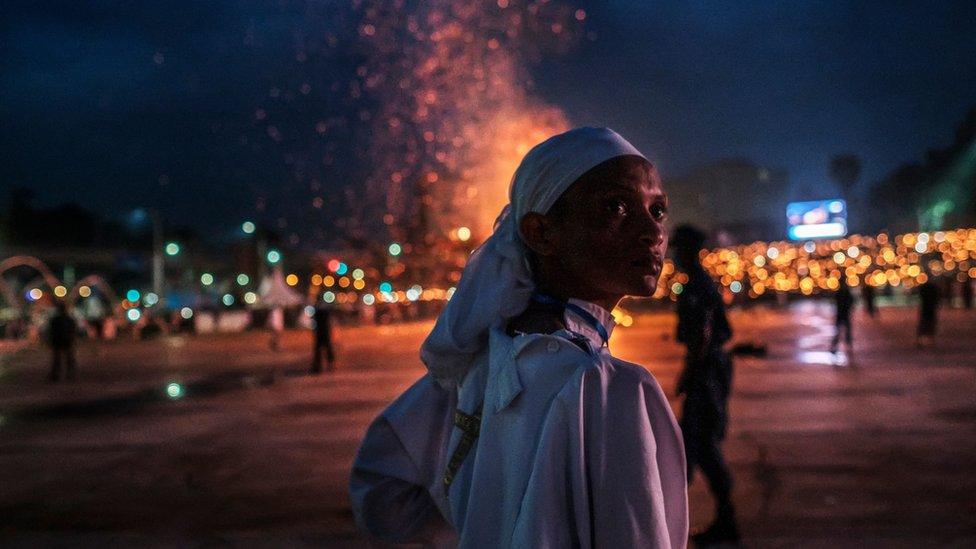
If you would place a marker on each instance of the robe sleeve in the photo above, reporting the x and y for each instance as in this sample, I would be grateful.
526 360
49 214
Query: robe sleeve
634 460
396 467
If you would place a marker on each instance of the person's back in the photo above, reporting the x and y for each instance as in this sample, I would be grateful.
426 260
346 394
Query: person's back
62 330
704 328
61 336
928 313
844 300
322 340
550 394
928 294
868 294
323 323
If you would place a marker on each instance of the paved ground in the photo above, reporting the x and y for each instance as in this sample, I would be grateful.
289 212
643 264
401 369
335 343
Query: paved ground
875 448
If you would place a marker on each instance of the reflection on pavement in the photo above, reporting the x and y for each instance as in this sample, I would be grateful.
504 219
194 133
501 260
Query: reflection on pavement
824 358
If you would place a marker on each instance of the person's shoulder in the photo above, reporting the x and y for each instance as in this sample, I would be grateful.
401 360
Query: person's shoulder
613 388
551 348
606 374
629 373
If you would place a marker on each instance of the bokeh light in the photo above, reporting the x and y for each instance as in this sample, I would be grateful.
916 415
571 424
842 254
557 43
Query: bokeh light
174 390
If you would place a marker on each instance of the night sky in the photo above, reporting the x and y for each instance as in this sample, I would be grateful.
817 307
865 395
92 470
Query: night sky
118 105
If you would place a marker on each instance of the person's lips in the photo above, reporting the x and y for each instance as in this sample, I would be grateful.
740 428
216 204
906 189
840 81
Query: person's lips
651 264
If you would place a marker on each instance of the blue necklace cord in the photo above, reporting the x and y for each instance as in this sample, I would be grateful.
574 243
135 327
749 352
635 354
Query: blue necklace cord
579 311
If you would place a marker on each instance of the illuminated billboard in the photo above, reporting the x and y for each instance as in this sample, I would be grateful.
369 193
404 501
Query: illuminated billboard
817 219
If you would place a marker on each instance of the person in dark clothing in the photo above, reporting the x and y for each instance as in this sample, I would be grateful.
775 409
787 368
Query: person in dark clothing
706 381
61 336
928 312
323 340
867 292
967 293
844 301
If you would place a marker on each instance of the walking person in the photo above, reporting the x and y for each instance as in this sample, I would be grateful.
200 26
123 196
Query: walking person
868 294
928 313
706 382
276 321
322 340
526 430
61 336
844 306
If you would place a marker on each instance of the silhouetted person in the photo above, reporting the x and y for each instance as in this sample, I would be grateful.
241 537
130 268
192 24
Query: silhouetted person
967 293
867 292
276 320
928 312
844 301
323 340
705 381
61 336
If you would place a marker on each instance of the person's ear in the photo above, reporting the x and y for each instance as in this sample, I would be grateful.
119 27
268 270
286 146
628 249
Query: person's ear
538 233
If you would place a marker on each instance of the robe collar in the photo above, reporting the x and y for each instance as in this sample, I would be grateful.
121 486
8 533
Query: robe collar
576 324
503 372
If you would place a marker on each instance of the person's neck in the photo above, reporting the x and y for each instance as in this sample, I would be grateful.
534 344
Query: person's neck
607 302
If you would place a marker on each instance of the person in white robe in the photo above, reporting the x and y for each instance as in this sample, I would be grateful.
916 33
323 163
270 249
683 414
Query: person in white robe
526 431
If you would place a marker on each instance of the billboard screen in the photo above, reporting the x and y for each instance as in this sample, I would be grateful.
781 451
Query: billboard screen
817 219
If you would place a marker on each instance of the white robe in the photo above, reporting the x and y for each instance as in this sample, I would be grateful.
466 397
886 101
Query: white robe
576 449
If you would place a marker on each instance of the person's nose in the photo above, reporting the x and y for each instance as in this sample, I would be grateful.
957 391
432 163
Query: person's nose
652 232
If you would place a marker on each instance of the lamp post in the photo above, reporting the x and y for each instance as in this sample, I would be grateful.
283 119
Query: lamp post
157 256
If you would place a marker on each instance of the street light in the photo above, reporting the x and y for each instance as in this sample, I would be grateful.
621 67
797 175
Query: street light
172 248
274 256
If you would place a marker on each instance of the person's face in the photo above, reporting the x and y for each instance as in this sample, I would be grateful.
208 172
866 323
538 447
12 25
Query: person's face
607 234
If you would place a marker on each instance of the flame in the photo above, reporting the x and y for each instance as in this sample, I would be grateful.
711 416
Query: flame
454 114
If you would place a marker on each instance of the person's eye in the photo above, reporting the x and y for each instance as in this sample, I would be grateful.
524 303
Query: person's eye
659 212
616 207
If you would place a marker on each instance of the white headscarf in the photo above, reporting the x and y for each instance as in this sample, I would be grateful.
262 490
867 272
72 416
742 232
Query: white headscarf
497 284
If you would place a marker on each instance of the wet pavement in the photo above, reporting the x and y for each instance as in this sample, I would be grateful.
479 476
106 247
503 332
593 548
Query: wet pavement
217 439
